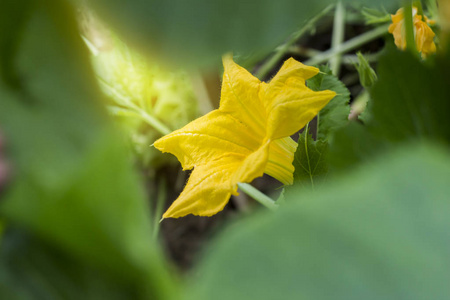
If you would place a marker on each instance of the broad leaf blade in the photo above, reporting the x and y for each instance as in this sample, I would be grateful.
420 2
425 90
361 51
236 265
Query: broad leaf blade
30 269
408 102
335 114
187 32
74 187
410 99
310 160
380 233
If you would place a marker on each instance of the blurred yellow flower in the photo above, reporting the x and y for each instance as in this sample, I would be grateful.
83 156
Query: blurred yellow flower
247 136
423 35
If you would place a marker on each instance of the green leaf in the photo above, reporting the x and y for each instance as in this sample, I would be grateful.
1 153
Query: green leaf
192 32
367 76
379 233
408 102
374 16
410 99
195 32
353 145
73 184
310 160
335 114
30 269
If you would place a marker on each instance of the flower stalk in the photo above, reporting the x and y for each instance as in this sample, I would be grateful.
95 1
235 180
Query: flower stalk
258 196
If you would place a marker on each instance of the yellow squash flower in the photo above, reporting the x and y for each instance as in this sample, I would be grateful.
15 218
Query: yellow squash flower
247 136
423 35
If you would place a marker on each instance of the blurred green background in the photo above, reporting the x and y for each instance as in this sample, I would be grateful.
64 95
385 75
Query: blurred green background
79 217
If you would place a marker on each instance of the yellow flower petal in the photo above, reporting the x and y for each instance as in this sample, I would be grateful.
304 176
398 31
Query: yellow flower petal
423 34
209 137
239 96
210 186
247 136
290 104
207 190
281 156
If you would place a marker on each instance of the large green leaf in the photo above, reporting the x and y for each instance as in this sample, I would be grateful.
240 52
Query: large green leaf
73 184
202 30
189 32
30 269
410 99
408 102
335 114
379 233
310 160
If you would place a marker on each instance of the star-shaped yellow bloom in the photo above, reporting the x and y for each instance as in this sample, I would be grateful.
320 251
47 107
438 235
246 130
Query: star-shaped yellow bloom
423 35
247 136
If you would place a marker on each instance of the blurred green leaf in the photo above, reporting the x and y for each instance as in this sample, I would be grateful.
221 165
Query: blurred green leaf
411 98
379 233
310 160
74 187
374 16
189 32
408 102
29 269
367 75
195 32
335 114
353 145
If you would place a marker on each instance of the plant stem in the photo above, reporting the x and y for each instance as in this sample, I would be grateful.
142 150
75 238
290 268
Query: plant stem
258 196
282 50
409 27
155 123
160 199
338 37
126 101
349 45
349 59
307 155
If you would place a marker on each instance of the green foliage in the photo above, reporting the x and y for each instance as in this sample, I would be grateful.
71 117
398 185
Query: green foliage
335 114
147 100
30 269
410 99
75 223
310 160
197 31
311 156
73 186
378 233
408 102
374 16
367 75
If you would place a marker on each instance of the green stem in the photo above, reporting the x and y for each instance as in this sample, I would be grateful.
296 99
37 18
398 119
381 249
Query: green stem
317 125
155 123
307 156
349 45
409 27
160 199
258 196
282 50
349 59
338 37
125 101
